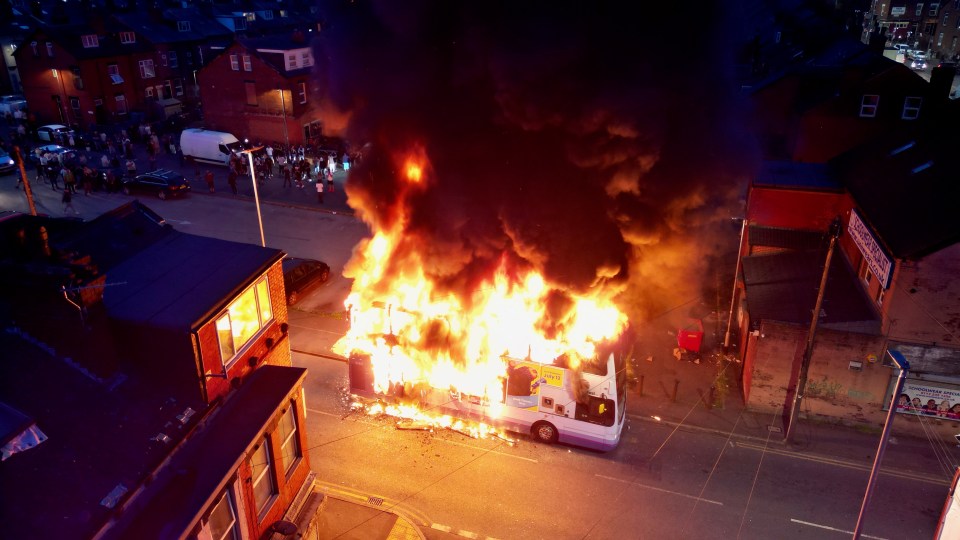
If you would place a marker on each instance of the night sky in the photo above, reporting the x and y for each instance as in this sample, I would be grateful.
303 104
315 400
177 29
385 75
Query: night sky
602 145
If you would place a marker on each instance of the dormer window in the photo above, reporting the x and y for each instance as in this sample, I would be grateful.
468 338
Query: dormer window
183 26
251 17
90 41
283 13
868 105
306 59
292 61
267 15
128 37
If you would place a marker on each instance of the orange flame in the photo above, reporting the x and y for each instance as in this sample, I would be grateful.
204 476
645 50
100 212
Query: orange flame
417 331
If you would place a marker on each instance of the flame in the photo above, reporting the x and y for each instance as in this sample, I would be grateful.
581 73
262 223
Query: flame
422 333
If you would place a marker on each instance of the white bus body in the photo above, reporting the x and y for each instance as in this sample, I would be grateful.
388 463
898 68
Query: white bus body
209 146
539 399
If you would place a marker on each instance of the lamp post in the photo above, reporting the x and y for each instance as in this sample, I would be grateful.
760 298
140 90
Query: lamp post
283 111
904 366
256 196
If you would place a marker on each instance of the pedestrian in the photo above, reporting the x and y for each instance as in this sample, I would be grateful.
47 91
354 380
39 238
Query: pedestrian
131 168
232 180
329 181
104 161
67 201
320 190
286 177
87 180
209 178
69 180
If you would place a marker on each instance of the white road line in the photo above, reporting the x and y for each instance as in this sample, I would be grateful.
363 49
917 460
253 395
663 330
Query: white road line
817 525
325 413
465 534
644 486
531 460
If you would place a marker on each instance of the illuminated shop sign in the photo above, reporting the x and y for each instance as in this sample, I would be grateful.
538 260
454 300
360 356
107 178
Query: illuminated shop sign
877 260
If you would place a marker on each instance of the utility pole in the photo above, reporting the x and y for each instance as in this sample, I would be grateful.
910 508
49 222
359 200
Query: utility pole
26 180
733 296
811 334
904 366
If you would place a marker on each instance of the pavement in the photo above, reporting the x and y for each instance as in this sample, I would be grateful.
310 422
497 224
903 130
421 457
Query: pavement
702 397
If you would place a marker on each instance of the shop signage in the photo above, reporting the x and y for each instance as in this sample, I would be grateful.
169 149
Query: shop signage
928 399
877 260
898 11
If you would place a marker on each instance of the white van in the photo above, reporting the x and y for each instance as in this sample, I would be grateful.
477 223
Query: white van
209 146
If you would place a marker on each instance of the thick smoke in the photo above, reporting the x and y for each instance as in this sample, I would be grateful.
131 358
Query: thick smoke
598 143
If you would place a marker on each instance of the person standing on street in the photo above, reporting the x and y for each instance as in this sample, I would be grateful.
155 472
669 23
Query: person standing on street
232 180
320 190
67 201
209 178
286 177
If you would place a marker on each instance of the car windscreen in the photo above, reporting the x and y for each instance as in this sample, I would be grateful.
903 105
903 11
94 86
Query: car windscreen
235 147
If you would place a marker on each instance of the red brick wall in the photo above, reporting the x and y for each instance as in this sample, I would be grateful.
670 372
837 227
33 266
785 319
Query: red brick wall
271 346
287 486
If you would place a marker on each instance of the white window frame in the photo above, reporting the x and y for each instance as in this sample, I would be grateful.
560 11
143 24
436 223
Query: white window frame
235 62
262 459
149 92
232 529
290 451
230 332
163 59
919 11
869 105
911 107
147 70
934 8
183 26
291 61
172 58
302 91
306 58
50 49
268 15
128 37
247 63
90 41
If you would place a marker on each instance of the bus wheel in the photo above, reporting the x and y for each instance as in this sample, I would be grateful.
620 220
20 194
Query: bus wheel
544 432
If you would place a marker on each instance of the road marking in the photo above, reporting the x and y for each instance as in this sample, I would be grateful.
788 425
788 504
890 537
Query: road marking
817 525
846 464
388 504
531 460
325 413
718 503
466 534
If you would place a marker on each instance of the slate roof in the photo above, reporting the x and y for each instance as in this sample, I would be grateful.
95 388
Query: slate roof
199 470
907 189
783 287
99 436
202 27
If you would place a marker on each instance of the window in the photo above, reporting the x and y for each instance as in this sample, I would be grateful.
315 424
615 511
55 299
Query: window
90 41
246 316
163 59
77 79
291 61
919 11
172 57
251 88
247 64
267 15
934 8
167 89
306 59
868 106
239 23
940 40
113 70
178 87
283 13
128 37
880 297
50 49
946 17
302 92
222 522
36 50
146 69
121 104
189 57
250 16
866 276
183 26
261 465
289 442
149 91
911 108
75 105
234 62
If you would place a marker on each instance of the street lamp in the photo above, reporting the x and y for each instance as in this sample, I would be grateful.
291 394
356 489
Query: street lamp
256 196
283 109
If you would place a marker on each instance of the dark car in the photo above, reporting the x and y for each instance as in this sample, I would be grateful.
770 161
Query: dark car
300 276
163 182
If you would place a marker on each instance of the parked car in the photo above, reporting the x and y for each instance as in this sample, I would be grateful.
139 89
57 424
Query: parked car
164 183
12 104
54 133
7 165
300 276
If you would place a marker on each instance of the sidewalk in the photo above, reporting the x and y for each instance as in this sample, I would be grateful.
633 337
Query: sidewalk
727 416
